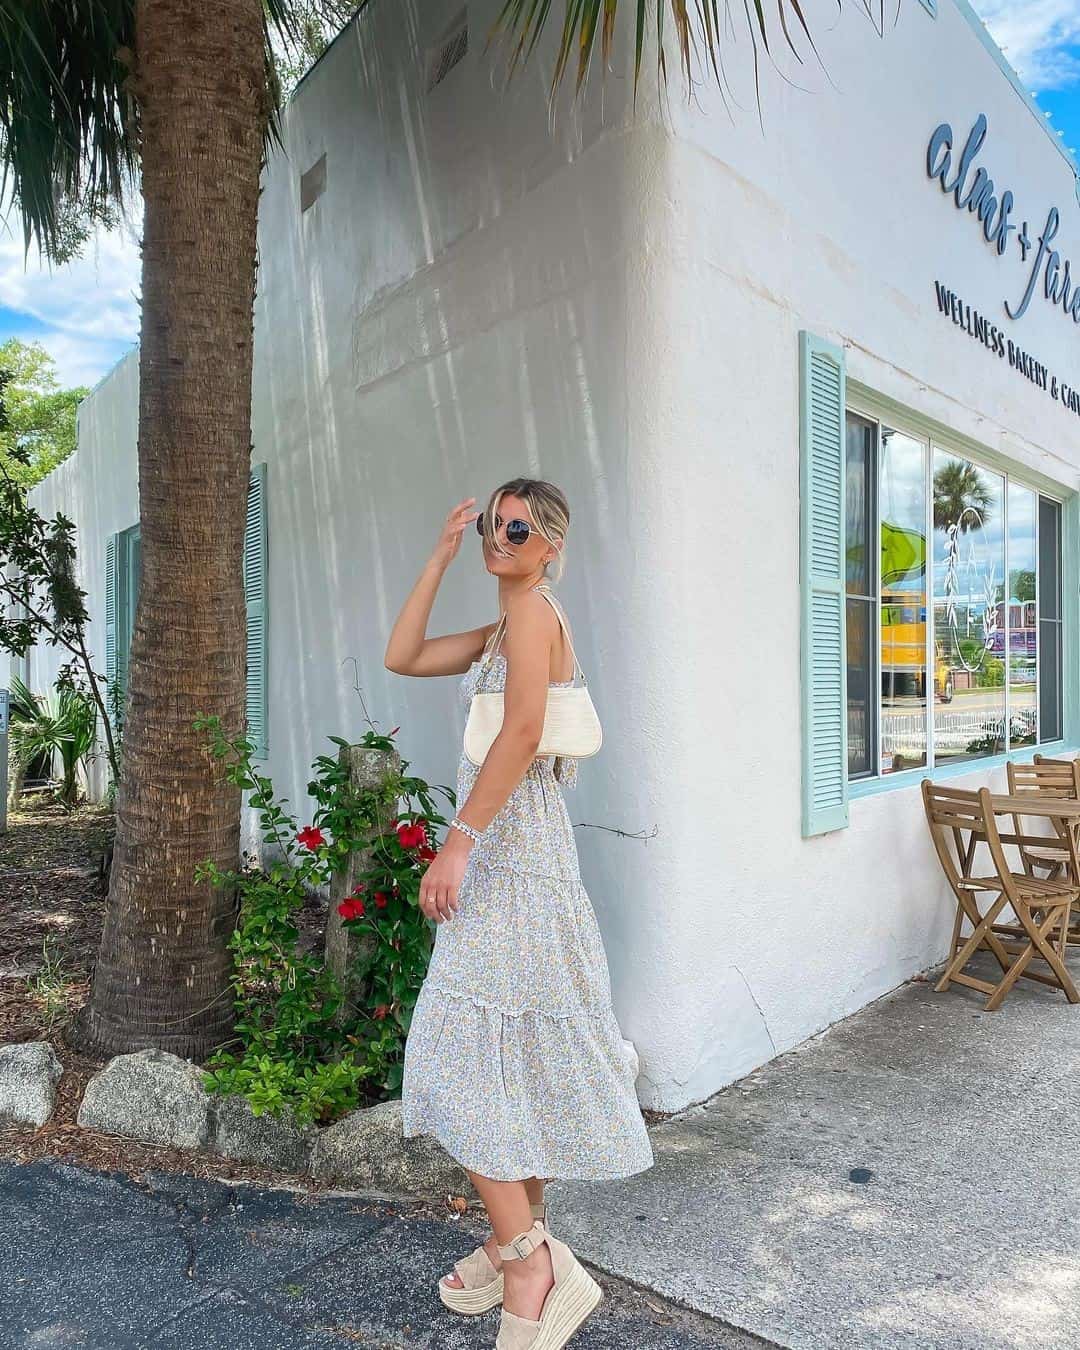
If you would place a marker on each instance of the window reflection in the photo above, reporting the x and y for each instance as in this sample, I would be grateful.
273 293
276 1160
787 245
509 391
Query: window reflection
902 506
1050 643
861 598
1019 618
969 580
929 532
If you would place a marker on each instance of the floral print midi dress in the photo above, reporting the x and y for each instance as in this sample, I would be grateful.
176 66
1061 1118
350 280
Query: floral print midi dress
514 1059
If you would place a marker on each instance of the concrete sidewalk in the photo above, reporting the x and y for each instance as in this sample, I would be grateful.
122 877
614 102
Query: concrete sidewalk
911 1177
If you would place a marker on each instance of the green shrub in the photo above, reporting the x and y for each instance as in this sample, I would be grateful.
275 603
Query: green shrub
294 1050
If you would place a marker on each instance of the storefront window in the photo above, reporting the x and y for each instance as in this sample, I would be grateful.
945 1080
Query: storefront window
861 595
954 650
902 526
1022 616
969 640
1048 589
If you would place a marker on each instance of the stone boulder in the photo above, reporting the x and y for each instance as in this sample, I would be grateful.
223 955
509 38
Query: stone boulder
150 1095
159 1098
29 1073
367 1150
266 1140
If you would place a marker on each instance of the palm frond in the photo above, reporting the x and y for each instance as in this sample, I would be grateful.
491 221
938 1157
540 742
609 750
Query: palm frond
695 22
69 118
65 131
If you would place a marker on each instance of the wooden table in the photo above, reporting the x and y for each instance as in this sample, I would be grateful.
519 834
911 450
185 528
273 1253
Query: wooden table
1044 806
1040 805
1037 804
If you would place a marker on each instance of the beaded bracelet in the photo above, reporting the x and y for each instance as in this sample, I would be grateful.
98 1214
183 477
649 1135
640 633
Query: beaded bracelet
467 829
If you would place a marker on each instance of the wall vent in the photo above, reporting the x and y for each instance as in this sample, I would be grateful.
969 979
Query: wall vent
448 51
313 183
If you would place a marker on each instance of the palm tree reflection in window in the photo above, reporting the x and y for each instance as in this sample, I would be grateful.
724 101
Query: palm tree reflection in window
962 508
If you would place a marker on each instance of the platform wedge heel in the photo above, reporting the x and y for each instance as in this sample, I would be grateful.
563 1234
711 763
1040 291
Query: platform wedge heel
569 1301
483 1284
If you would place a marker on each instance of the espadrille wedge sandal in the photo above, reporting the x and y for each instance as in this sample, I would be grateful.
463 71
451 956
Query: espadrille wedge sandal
483 1284
569 1301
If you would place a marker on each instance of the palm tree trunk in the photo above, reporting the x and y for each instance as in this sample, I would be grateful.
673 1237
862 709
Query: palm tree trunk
162 972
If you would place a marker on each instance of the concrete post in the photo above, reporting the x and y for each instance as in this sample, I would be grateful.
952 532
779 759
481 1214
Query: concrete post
349 953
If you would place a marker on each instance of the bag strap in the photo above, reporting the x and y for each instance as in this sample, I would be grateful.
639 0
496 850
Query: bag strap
544 591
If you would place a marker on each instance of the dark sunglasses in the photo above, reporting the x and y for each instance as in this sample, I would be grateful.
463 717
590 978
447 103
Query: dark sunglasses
517 531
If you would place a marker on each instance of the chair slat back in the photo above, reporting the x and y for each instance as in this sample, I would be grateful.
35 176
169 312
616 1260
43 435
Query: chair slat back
1052 777
1058 778
954 812
951 807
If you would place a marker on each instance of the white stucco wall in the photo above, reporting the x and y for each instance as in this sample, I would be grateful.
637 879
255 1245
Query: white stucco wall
829 222
613 304
97 487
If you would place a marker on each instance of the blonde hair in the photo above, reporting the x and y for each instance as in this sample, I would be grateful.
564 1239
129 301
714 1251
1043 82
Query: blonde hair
550 512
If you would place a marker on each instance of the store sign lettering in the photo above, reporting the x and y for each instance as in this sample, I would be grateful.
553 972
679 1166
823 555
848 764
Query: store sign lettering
973 189
1024 363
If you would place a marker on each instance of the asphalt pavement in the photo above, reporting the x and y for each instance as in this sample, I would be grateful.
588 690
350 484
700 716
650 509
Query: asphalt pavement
104 1262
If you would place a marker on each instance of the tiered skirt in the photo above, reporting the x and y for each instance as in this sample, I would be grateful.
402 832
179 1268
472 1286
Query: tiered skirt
515 1061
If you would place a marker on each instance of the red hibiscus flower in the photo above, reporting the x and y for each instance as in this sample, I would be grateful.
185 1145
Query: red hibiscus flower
411 836
380 899
426 852
311 837
352 908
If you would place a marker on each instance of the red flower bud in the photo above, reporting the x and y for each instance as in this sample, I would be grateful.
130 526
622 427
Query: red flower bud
380 899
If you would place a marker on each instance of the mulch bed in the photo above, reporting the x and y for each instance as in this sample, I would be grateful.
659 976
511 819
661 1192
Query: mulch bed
52 905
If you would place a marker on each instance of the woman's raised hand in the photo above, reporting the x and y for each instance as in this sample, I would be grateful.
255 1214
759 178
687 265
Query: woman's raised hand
458 519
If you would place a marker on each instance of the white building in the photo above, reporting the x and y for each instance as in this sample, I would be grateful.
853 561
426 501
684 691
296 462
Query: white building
673 315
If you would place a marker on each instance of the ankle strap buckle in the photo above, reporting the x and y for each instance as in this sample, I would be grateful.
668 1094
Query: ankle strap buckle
523 1254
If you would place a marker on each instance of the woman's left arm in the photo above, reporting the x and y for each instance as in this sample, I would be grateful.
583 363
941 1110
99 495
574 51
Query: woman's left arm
530 631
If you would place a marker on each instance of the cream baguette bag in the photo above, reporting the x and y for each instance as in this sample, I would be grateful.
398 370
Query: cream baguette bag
571 725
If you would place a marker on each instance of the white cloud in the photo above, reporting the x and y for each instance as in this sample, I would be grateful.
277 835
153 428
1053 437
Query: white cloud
1035 36
86 313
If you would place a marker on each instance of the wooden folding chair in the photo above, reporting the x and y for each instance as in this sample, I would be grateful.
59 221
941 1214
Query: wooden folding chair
1042 906
1049 778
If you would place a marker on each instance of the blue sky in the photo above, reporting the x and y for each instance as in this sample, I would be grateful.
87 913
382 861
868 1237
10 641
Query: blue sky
86 314
1041 39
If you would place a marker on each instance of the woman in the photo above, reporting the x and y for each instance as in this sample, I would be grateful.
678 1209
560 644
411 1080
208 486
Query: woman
514 1059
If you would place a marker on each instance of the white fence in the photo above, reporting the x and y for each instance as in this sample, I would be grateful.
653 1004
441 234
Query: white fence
905 733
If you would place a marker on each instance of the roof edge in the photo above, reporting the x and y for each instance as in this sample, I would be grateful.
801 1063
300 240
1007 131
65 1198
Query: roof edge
983 34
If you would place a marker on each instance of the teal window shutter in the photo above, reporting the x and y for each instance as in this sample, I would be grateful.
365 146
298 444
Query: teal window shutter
112 620
255 596
824 629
